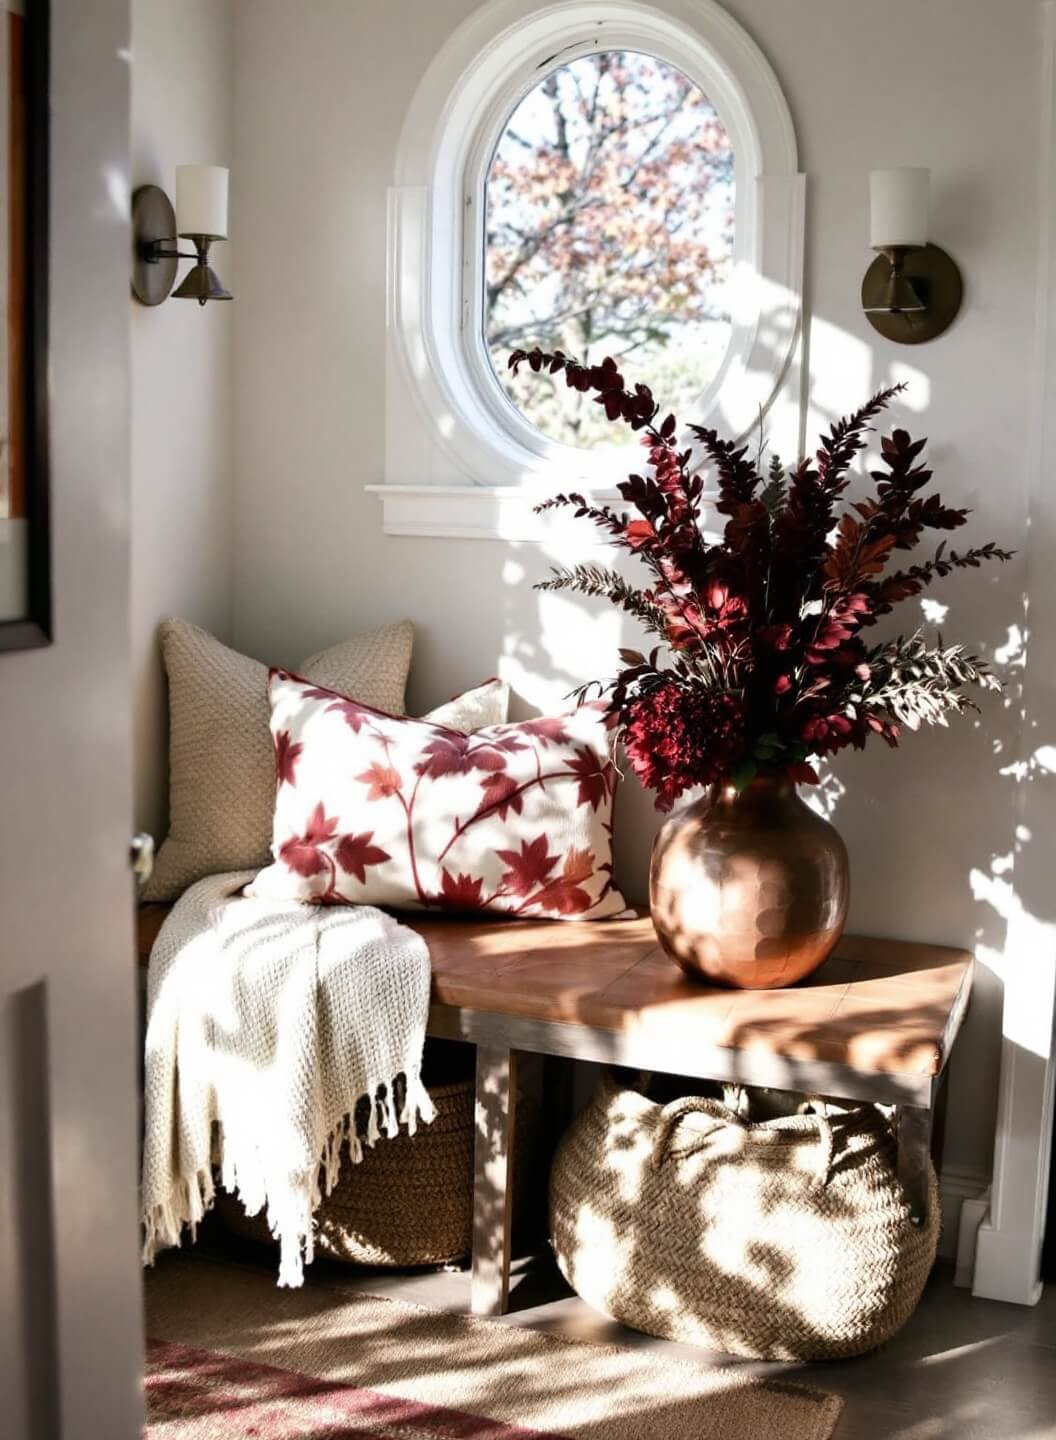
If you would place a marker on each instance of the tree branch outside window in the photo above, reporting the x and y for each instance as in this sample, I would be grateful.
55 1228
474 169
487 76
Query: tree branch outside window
609 230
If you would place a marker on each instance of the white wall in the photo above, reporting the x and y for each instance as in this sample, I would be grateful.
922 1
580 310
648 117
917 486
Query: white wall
322 90
182 429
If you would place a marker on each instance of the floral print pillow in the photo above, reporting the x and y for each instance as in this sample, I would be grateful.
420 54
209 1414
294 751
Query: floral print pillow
388 810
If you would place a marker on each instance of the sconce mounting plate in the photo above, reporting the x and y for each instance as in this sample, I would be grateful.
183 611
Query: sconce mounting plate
153 220
936 279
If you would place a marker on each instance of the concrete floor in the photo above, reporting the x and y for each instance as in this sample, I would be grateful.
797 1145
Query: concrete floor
963 1368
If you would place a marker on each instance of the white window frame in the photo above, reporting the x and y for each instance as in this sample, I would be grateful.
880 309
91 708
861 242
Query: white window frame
490 464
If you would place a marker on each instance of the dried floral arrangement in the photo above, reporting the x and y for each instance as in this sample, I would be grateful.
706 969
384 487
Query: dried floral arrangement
763 661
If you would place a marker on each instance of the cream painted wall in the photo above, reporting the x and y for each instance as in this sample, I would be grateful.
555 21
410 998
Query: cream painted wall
182 428
322 90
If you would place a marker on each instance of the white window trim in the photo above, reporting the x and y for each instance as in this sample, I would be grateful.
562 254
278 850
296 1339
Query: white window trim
501 465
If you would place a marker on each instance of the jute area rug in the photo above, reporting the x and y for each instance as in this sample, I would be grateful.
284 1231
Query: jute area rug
230 1355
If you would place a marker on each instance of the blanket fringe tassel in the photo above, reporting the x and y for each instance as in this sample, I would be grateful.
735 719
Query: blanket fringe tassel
290 1215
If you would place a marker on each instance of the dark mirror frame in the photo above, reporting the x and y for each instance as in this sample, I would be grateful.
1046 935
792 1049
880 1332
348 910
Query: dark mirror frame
35 628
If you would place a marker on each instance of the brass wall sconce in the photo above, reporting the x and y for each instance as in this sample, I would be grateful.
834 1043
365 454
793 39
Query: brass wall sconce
200 216
913 290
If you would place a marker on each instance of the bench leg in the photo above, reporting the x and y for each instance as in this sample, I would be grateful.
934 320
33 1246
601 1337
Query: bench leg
914 1150
496 1108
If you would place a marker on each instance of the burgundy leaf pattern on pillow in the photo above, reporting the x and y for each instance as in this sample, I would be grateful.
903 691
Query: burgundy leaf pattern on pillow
382 780
509 745
547 729
597 778
461 892
354 715
286 753
380 809
565 895
488 758
303 853
355 853
446 755
499 795
529 868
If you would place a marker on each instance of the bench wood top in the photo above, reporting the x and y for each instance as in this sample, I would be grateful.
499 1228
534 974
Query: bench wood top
877 1006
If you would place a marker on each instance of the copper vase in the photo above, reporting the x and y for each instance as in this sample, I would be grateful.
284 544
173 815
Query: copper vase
749 889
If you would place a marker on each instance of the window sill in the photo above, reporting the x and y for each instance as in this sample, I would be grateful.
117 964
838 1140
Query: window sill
503 512
479 512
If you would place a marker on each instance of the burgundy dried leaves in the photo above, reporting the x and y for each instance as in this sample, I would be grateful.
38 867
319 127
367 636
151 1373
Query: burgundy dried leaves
764 658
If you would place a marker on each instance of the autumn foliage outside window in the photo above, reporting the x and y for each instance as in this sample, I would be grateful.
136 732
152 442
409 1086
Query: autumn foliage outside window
609 231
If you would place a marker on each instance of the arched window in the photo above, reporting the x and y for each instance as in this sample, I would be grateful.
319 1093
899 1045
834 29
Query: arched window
609 230
600 176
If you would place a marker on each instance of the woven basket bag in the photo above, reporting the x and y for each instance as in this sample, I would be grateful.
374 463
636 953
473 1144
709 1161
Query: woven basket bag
786 1239
408 1202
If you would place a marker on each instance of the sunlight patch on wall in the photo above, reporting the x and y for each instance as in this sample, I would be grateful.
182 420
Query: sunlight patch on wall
1032 943
1002 864
917 396
840 365
934 611
1014 650
824 798
116 182
571 634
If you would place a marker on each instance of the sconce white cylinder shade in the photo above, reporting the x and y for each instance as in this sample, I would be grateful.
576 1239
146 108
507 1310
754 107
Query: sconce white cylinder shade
898 207
201 200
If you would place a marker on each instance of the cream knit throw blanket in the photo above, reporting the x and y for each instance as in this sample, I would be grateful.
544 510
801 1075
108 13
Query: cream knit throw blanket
266 1023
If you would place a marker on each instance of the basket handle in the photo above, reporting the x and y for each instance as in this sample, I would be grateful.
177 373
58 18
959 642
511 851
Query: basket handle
671 1116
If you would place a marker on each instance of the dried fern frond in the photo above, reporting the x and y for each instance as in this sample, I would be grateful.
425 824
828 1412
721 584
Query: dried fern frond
607 585
917 684
776 488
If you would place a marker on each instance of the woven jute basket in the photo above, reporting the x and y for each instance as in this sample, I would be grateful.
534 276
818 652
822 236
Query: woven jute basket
785 1239
408 1202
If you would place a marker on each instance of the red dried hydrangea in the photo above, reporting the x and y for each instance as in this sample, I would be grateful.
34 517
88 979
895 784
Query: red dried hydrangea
677 738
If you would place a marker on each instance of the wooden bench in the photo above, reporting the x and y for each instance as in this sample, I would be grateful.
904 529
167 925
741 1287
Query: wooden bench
876 1023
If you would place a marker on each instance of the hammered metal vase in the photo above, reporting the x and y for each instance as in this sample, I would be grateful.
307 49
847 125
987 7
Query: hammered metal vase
749 889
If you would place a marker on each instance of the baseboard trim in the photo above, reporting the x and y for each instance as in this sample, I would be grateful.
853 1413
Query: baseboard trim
973 1216
960 1191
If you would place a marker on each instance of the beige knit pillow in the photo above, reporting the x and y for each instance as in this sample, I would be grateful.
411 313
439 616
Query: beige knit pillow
221 759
